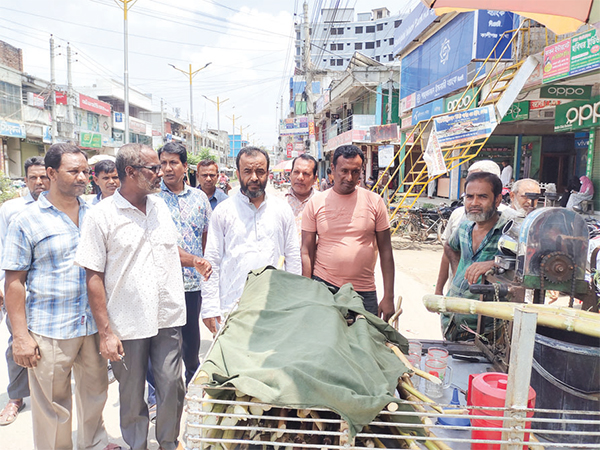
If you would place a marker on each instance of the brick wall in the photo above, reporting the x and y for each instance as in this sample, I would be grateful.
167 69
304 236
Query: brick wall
11 56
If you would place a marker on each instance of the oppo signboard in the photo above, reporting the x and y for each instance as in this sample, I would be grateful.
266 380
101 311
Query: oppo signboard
578 115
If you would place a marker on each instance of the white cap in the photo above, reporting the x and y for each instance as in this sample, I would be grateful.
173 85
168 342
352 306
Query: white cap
485 165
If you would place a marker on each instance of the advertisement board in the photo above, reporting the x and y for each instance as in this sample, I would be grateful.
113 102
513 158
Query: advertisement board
35 100
385 155
12 129
517 111
433 156
443 86
578 54
61 98
415 23
578 115
94 105
490 28
465 126
293 125
541 104
459 101
382 133
427 111
566 91
90 140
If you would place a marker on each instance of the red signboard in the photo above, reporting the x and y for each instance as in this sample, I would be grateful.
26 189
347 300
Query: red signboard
61 98
93 105
540 104
289 149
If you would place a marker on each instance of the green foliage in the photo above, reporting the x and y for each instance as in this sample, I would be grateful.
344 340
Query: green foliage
204 154
7 191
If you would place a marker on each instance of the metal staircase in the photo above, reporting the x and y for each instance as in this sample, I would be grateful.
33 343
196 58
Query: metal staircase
503 83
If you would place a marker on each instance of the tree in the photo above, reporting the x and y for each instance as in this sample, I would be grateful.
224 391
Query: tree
7 191
202 155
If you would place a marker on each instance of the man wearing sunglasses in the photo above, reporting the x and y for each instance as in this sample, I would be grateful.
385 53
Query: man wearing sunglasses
129 248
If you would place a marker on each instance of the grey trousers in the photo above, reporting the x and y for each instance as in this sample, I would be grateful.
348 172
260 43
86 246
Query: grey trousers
18 384
164 351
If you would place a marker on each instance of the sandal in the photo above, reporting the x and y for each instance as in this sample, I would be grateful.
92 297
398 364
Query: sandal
11 411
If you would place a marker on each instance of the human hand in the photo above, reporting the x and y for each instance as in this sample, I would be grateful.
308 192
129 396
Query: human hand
386 308
203 266
211 324
475 270
26 352
111 347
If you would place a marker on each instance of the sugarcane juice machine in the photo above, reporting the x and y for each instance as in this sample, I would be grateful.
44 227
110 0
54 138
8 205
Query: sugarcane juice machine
546 250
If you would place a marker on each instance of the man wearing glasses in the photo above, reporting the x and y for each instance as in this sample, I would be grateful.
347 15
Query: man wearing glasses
208 176
133 265
54 331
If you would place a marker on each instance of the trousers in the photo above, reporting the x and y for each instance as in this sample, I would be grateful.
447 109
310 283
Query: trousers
369 297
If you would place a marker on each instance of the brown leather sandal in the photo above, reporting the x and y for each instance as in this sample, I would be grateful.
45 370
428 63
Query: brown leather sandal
11 411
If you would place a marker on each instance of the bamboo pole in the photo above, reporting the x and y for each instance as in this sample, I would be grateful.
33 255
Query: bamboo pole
587 323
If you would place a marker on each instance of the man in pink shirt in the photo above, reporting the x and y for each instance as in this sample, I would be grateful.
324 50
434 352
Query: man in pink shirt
352 225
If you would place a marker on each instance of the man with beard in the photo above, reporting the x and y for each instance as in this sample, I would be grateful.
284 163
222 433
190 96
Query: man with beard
247 231
518 198
18 387
133 266
471 250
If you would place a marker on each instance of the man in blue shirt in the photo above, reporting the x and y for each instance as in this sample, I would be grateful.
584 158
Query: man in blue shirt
190 211
208 176
53 328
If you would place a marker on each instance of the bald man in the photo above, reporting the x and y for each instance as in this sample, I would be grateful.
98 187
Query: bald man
518 198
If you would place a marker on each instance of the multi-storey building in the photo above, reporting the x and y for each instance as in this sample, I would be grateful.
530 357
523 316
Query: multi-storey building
336 36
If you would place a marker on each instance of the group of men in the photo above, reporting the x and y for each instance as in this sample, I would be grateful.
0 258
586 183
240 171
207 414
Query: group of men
125 277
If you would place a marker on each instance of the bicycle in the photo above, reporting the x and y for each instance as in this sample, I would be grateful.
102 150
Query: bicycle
417 225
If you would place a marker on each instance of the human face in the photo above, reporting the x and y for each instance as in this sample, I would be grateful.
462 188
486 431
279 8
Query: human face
208 177
173 170
148 180
302 177
253 175
108 182
346 174
480 203
37 181
72 176
519 200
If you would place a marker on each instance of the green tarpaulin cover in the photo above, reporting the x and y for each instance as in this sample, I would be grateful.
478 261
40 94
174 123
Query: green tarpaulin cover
289 344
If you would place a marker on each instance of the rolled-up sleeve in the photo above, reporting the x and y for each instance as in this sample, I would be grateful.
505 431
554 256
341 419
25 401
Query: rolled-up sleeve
17 253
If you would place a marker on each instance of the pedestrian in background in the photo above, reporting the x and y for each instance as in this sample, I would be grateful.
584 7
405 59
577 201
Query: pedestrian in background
37 182
303 176
106 178
54 331
133 266
208 176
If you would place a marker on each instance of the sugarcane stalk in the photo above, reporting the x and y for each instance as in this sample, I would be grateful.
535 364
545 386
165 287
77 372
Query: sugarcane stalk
421 396
412 444
392 407
534 443
201 378
393 321
431 445
315 415
587 323
410 367
281 424
303 413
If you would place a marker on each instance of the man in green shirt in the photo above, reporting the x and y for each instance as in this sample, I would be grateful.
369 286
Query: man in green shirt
471 250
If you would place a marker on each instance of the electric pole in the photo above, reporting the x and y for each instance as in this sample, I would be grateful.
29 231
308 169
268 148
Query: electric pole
191 75
218 103
70 95
308 75
162 119
53 90
232 150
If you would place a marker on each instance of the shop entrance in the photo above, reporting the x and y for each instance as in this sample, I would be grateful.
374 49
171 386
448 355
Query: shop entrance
555 168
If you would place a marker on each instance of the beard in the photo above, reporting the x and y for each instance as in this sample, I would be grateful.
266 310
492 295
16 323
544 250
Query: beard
253 194
482 216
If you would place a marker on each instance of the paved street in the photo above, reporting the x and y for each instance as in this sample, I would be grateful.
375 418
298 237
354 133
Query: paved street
416 272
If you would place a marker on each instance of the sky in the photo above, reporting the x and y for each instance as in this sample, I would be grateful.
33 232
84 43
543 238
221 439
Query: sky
249 45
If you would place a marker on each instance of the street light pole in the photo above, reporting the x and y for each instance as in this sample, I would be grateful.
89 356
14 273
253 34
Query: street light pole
191 74
218 103
232 150
126 5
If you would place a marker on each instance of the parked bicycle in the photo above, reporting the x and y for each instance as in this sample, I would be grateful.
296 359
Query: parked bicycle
420 225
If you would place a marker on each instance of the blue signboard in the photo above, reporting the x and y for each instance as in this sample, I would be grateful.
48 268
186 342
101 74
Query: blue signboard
490 26
12 129
411 27
427 111
449 83
447 51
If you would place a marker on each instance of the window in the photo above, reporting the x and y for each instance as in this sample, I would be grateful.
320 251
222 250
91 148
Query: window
358 30
333 47
377 58
371 29
333 31
397 23
332 62
340 61
358 46
340 30
391 41
380 27
391 57
10 99
298 37
298 51
378 44
340 46
369 44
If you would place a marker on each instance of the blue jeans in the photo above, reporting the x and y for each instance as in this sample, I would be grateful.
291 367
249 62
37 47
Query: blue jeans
369 297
